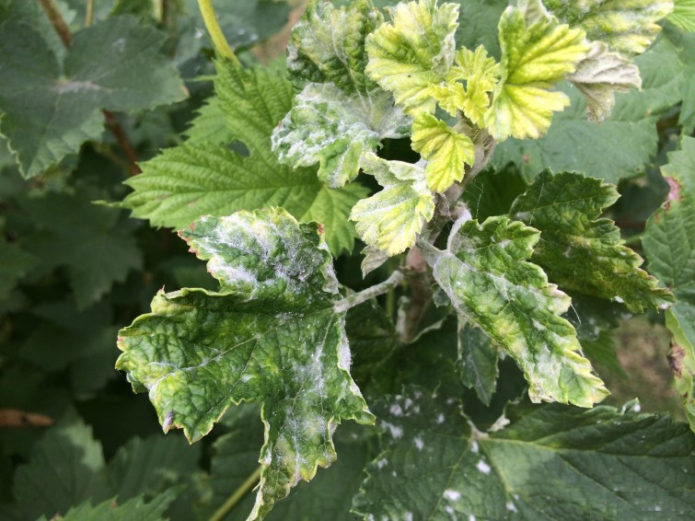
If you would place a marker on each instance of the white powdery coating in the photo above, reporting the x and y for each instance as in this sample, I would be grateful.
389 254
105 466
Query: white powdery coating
419 444
483 467
452 495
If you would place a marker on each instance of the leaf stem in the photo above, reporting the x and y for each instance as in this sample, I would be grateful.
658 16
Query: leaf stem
89 14
57 21
207 10
236 496
374 291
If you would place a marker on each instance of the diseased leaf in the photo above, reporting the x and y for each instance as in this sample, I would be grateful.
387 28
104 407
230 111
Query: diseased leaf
269 335
446 151
335 130
191 180
550 462
669 244
391 219
413 51
578 249
600 75
627 26
327 45
536 54
51 105
135 508
480 74
477 358
485 273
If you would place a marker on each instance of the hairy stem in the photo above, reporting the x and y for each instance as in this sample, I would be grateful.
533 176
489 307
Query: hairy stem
374 291
236 496
420 294
65 35
89 14
213 26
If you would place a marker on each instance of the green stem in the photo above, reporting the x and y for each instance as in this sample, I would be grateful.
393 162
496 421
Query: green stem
89 15
239 493
213 26
374 291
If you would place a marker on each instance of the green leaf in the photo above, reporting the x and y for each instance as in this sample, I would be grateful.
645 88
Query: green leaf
66 468
478 24
335 130
683 14
209 125
478 358
414 51
627 26
669 244
51 105
136 508
536 54
619 148
446 151
270 335
327 45
14 264
189 181
151 465
485 273
91 241
468 85
600 75
550 463
578 249
391 219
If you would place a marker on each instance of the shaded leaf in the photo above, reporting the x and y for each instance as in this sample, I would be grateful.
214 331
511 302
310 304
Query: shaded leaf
109 510
478 359
550 463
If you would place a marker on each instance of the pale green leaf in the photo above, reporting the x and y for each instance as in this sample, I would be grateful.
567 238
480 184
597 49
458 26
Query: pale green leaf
480 74
391 219
446 150
627 26
327 45
600 75
110 510
535 55
549 463
52 105
192 180
669 244
477 359
270 335
209 125
335 130
485 273
578 249
683 14
413 51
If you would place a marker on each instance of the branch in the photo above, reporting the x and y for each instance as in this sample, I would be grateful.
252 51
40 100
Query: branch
374 291
65 35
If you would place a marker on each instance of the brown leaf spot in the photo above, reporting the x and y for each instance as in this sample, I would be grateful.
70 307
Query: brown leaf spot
675 359
674 192
526 158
